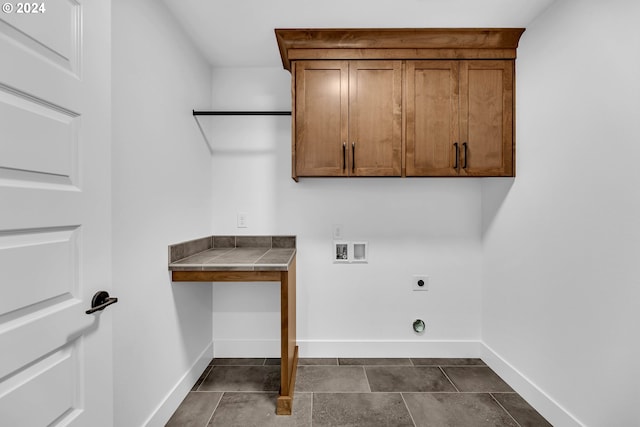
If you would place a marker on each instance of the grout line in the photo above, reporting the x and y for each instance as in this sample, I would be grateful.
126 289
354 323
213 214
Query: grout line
408 410
208 371
387 366
214 409
242 391
311 410
447 376
504 409
366 378
257 261
448 366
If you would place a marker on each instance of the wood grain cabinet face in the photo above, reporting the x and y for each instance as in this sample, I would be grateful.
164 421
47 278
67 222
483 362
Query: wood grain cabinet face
321 118
486 122
459 118
348 118
433 118
401 101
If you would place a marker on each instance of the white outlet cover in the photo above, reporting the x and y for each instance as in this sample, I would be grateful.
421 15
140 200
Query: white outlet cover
337 231
242 220
417 279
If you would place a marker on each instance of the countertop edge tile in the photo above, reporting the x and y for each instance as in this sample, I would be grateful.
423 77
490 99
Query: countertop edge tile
185 267
254 241
283 242
225 267
224 242
271 267
186 249
280 250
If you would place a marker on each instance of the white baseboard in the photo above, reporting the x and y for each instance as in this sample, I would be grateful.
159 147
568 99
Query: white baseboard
388 348
350 348
172 400
543 403
246 348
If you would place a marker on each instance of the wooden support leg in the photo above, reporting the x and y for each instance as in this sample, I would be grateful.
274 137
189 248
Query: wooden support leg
285 402
288 347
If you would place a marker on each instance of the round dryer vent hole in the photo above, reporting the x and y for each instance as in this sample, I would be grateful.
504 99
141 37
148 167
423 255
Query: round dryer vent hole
419 326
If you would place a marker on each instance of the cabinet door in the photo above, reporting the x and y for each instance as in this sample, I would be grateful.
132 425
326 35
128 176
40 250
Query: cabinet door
432 138
486 117
375 118
321 122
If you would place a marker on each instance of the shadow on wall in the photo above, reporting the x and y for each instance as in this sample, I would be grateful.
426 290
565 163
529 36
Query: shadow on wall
192 304
494 193
204 134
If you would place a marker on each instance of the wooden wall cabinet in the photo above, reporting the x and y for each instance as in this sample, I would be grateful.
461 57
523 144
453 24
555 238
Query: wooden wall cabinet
401 102
348 118
459 118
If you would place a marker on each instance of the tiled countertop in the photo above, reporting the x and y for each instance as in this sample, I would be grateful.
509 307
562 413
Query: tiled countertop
233 253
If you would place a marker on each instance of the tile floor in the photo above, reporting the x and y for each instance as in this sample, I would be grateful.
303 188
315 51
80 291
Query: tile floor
356 392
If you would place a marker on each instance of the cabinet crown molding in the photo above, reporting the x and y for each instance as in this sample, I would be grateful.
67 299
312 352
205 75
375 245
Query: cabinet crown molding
397 43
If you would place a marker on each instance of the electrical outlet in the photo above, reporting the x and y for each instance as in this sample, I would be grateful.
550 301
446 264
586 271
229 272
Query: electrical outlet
337 231
420 282
242 220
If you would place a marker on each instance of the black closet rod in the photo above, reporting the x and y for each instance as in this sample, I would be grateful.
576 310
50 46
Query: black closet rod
241 113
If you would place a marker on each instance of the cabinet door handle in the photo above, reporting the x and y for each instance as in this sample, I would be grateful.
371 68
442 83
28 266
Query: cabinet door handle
353 156
344 155
464 146
455 146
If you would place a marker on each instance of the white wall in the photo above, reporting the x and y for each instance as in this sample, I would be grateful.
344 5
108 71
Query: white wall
561 242
413 226
161 195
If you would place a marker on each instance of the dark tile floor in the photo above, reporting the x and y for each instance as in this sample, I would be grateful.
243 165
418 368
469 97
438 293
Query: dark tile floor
356 392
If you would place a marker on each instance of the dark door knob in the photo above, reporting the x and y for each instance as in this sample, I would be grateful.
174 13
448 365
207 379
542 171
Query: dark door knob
100 301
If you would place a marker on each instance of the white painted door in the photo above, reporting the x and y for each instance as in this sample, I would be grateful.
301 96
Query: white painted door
55 244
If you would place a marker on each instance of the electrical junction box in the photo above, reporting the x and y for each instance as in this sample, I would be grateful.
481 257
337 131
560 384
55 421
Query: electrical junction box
350 252
420 282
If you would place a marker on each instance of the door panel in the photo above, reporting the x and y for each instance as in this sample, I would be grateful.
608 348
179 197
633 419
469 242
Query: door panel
35 332
33 31
487 117
52 133
375 118
55 360
432 118
57 271
321 118
55 377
